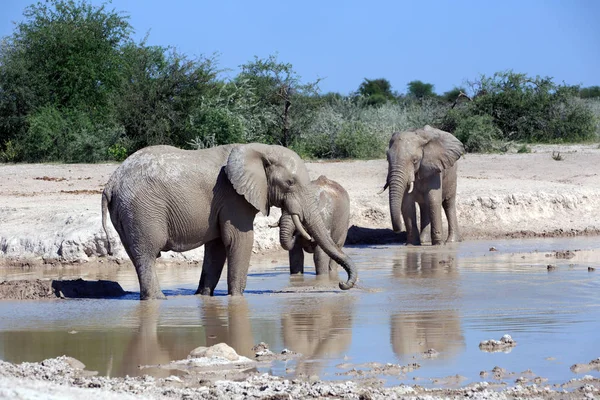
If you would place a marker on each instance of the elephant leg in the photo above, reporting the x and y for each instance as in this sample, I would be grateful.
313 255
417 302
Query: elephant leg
435 215
425 233
212 267
296 257
449 205
409 213
143 248
147 277
238 244
321 261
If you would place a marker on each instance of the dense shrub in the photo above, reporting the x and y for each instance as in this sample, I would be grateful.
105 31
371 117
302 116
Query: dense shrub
68 136
479 134
532 109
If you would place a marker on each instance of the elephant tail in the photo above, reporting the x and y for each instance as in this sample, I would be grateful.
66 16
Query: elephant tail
105 204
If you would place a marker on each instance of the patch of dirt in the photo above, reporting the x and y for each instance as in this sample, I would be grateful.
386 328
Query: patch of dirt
593 365
374 368
37 289
50 179
26 290
82 191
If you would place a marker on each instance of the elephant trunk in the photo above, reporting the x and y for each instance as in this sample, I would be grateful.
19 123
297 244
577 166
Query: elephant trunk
316 228
286 231
398 182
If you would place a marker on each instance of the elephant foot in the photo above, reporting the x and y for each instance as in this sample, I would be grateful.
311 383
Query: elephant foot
154 296
204 292
235 293
453 239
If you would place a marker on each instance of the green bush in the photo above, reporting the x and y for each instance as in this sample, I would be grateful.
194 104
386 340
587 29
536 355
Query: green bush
524 149
65 136
355 141
10 152
117 152
532 109
479 134
214 127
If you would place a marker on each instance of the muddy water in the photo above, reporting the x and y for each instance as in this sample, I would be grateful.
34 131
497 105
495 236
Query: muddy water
408 300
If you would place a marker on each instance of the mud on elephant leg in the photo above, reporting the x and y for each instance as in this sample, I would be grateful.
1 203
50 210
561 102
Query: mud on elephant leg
212 267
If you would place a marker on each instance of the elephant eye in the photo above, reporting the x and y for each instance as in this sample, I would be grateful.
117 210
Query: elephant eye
290 182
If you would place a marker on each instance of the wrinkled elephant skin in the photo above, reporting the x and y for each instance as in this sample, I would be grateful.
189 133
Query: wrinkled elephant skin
422 169
334 208
166 199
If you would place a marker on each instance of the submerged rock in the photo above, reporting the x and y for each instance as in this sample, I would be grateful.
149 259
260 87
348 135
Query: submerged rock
505 344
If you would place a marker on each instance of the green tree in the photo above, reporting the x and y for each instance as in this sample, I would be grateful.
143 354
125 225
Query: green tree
284 103
376 91
453 95
420 90
592 92
64 55
522 108
159 91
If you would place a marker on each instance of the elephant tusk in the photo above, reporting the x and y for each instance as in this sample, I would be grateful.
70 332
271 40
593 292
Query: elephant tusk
384 187
411 186
299 226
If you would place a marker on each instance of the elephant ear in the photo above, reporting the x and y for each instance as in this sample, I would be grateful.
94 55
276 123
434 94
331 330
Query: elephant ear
440 151
246 171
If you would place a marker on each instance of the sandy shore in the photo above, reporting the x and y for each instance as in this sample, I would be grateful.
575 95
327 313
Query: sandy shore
50 213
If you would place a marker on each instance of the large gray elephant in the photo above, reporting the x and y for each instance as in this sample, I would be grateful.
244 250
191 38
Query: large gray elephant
334 207
163 198
422 169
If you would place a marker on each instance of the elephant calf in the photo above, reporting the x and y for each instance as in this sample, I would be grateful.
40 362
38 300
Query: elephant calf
334 207
422 169
163 198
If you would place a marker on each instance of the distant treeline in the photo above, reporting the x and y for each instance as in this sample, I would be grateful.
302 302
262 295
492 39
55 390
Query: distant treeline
76 87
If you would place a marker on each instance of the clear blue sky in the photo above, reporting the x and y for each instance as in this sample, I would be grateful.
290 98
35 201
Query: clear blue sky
442 42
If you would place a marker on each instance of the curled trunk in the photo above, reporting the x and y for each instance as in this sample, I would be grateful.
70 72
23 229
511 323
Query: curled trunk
316 228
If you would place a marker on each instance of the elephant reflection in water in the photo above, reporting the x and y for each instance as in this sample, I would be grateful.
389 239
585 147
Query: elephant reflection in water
437 326
146 347
317 327
228 323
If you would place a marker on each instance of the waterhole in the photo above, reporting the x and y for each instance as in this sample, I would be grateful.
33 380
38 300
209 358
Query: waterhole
408 300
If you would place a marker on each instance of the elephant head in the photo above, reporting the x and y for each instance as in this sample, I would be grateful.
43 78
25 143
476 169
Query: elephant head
414 155
268 175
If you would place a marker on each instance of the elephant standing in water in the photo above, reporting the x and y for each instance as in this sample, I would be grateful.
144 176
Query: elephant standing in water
163 198
422 169
334 207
